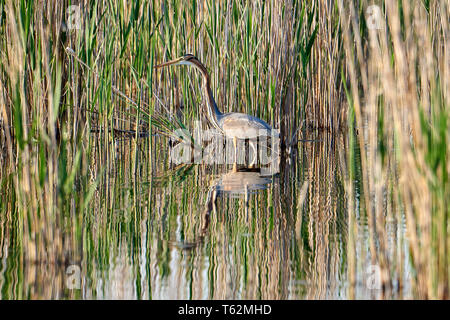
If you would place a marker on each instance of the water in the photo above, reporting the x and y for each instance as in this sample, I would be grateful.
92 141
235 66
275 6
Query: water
206 232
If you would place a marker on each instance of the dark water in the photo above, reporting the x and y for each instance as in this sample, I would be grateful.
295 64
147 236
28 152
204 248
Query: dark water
206 232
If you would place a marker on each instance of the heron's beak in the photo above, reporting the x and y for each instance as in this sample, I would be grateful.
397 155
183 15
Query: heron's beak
172 62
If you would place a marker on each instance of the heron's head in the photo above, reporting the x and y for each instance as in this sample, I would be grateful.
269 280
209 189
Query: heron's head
187 59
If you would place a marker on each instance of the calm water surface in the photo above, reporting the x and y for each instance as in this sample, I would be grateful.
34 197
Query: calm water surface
205 232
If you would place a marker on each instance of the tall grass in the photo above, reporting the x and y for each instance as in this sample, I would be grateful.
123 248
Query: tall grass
59 84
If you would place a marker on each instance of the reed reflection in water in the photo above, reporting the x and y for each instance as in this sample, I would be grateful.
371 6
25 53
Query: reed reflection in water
204 232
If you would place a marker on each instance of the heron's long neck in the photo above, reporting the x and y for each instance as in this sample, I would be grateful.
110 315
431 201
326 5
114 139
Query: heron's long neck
212 111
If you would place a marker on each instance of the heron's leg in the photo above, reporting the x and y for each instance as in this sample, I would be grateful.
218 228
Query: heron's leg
255 155
210 207
235 154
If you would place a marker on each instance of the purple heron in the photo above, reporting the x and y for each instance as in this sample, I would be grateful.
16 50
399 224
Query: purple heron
232 124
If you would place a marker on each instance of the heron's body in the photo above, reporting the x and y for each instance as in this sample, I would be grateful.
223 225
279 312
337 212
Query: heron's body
242 182
233 125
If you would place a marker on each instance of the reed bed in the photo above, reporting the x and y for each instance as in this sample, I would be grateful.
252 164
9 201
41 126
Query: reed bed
83 113
146 239
398 78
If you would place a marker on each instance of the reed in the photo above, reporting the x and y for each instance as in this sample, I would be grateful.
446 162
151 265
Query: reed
61 81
